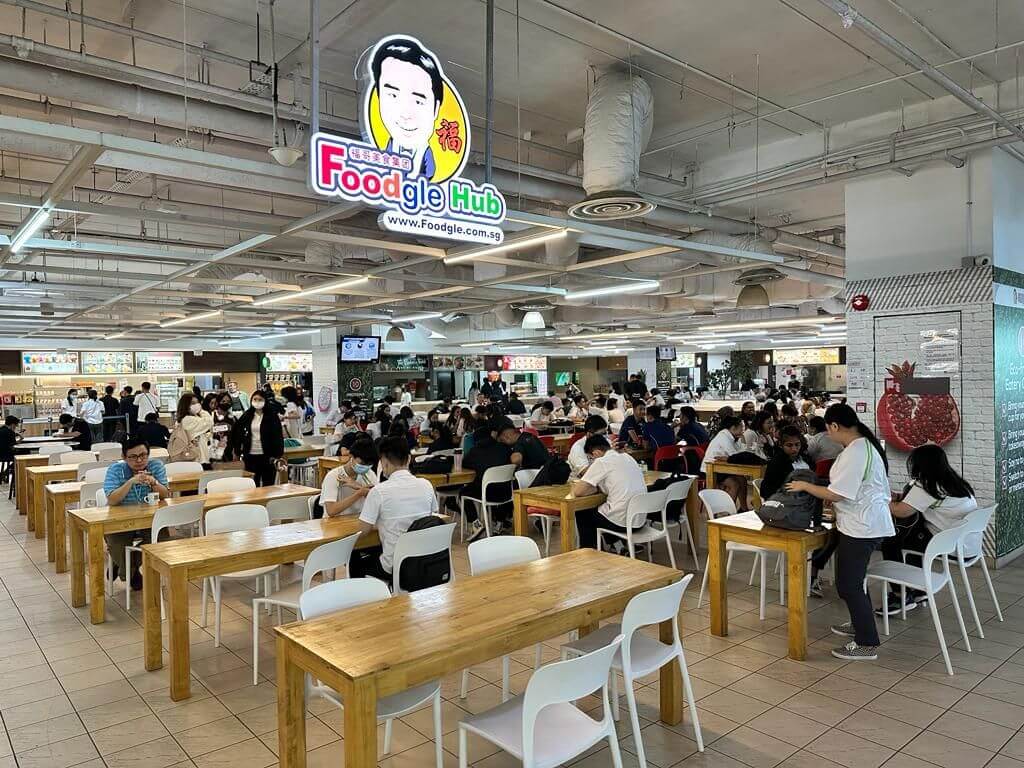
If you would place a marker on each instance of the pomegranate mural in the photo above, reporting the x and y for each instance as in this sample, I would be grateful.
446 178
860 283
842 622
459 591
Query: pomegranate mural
913 411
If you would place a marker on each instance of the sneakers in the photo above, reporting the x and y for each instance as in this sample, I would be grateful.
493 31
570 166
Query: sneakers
893 606
816 588
844 630
476 530
853 652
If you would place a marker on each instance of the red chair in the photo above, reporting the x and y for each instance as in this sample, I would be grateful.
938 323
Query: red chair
548 441
531 431
822 467
576 436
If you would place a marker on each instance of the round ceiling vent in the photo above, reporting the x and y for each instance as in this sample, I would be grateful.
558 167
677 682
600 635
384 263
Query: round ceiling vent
611 205
758 276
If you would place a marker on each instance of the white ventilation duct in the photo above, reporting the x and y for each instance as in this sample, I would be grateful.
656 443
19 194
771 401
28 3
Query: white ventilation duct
618 124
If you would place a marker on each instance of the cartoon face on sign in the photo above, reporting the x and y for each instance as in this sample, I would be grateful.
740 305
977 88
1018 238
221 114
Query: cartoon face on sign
412 110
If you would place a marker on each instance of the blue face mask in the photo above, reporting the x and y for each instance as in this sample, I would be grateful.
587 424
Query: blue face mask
361 469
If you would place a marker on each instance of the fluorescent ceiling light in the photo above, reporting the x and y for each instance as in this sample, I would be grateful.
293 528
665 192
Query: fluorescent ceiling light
481 343
508 245
414 318
609 335
517 346
191 319
772 323
270 336
29 228
116 335
811 340
322 288
637 286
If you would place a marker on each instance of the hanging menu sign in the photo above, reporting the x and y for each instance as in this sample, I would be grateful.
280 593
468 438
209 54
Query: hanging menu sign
49 362
811 356
107 362
159 362
288 362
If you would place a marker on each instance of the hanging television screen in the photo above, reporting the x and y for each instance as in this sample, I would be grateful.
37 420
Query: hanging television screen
359 349
666 354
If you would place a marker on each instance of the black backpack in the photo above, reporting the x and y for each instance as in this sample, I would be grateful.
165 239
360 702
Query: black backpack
433 465
555 472
429 570
792 510
676 508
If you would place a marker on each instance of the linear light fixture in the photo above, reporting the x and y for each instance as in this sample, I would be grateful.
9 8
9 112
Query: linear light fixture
730 335
28 230
635 286
228 343
348 282
610 335
508 245
418 316
517 346
191 319
480 343
116 335
773 323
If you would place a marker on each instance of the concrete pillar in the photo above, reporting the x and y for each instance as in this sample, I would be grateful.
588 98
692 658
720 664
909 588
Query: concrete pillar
325 374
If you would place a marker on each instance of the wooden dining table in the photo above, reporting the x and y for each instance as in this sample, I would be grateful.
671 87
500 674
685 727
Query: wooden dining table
21 464
379 649
713 469
89 526
176 562
747 528
561 499
37 478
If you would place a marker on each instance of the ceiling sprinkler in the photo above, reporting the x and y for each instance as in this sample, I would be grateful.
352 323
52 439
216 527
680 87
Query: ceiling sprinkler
848 17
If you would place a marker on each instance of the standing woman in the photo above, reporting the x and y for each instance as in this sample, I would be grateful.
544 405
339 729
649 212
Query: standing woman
259 440
294 409
70 404
859 491
223 425
92 413
198 426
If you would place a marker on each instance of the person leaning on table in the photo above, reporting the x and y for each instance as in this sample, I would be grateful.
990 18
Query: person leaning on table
129 482
619 477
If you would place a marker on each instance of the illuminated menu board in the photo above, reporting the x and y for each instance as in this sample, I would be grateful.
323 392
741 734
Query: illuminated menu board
685 360
49 362
159 362
524 363
289 362
107 362
812 356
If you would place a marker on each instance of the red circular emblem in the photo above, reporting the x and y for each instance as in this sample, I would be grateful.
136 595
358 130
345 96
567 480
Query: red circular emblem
355 384
860 302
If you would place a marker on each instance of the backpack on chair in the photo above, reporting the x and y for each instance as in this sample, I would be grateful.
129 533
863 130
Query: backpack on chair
179 447
427 570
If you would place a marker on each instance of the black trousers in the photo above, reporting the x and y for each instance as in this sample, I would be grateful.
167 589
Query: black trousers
587 523
911 533
263 469
852 560
366 563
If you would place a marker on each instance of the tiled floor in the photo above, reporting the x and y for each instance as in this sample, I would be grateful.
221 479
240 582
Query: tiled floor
75 694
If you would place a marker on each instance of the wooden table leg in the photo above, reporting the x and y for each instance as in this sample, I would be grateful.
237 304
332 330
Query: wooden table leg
568 521
717 582
97 561
671 681
709 476
77 567
49 502
39 505
60 546
151 614
291 710
20 487
520 520
360 698
177 598
30 518
796 565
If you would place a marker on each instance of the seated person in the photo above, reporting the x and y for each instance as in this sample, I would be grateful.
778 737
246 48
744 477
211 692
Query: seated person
516 407
487 452
528 452
615 413
346 430
820 447
542 414
153 432
725 443
9 437
580 408
759 436
390 507
344 488
73 426
129 482
619 477
632 431
691 431
790 455
555 400
936 499
577 458
656 432
654 397
442 439
400 428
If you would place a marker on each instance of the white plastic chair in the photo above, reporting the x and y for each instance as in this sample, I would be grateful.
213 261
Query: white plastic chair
493 554
230 484
187 514
85 466
207 477
425 541
922 577
347 593
639 507
294 508
51 449
719 504
101 446
109 454
643 654
235 517
182 467
678 491
524 479
158 453
326 557
76 457
543 728
501 475
310 504
970 553
92 474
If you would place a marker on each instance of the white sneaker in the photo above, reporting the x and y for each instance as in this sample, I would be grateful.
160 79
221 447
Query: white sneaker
476 530
816 588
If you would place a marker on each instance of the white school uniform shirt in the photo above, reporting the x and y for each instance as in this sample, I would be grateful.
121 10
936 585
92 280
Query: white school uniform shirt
620 478
755 442
577 457
939 514
71 408
332 490
393 505
722 443
406 399
92 411
859 476
146 403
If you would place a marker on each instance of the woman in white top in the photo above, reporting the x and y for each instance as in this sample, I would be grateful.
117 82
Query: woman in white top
198 425
345 487
725 443
936 499
760 437
92 413
70 404
615 413
859 491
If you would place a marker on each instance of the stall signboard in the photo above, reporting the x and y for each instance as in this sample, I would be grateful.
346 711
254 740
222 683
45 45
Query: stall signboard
107 362
49 362
415 145
524 363
403 363
685 360
159 362
811 356
287 362
459 362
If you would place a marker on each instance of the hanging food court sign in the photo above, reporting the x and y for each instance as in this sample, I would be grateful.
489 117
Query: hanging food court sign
415 146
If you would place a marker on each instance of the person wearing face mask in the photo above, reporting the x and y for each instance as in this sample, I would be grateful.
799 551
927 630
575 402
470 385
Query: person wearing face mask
223 424
345 487
198 426
259 439
70 404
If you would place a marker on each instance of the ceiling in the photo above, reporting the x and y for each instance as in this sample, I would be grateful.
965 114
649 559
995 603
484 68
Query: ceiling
754 101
